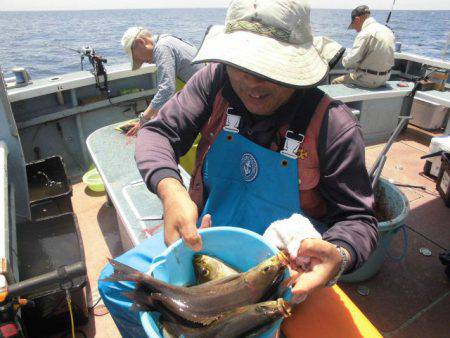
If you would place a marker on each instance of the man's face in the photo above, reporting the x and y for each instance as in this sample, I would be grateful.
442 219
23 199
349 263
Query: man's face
357 23
259 96
143 50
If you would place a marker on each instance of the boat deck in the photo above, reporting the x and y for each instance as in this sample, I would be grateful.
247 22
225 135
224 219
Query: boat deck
408 298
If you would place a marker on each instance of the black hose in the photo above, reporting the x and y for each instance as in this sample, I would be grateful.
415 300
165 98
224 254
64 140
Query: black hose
61 275
96 303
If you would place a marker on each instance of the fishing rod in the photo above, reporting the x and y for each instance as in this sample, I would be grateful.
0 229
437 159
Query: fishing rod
445 49
61 46
82 51
98 68
390 13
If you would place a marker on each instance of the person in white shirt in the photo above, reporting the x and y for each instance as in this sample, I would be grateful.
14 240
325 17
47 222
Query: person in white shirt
372 56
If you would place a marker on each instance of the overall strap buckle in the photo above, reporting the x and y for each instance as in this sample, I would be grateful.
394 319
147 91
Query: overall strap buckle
232 122
292 144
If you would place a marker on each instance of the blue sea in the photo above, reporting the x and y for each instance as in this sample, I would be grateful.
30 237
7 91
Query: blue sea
40 41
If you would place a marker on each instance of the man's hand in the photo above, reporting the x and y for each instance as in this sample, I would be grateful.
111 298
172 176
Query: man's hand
133 131
324 265
147 115
180 214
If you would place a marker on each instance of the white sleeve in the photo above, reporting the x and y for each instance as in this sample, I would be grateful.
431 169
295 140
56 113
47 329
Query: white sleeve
357 53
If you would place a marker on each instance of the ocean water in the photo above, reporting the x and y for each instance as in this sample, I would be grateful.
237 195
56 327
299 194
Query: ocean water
39 41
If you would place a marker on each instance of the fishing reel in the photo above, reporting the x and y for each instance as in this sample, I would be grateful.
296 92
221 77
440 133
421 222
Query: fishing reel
98 69
86 51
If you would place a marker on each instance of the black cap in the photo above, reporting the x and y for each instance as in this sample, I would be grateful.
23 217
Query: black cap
359 11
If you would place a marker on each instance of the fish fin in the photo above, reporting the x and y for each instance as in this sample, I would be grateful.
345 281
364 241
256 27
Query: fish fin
206 320
123 272
149 284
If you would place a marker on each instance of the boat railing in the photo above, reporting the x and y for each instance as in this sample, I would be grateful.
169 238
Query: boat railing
55 115
4 212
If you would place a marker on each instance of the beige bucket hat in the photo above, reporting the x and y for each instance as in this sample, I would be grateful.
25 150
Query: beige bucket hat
128 38
271 39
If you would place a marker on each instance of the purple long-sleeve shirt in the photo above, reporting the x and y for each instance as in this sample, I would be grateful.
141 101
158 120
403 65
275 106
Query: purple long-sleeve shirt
344 182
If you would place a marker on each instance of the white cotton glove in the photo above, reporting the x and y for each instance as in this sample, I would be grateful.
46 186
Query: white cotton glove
288 234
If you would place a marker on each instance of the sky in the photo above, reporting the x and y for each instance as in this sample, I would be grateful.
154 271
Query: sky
21 5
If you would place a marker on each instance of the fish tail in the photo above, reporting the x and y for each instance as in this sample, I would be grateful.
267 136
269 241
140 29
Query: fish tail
123 272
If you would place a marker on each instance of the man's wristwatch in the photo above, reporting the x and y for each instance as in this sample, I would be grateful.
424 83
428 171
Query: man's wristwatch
341 270
142 118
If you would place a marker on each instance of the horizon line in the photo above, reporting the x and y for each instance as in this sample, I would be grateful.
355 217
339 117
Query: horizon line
146 8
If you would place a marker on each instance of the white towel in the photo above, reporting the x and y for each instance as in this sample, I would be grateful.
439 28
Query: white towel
288 234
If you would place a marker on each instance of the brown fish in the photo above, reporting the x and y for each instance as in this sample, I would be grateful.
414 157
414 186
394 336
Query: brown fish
204 303
243 320
208 268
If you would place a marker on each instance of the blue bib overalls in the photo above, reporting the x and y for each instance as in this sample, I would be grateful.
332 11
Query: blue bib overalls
246 186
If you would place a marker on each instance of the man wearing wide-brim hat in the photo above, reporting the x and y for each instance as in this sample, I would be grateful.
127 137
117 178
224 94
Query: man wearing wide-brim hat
372 56
274 149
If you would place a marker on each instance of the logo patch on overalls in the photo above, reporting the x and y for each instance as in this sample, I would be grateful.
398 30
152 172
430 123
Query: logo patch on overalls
249 167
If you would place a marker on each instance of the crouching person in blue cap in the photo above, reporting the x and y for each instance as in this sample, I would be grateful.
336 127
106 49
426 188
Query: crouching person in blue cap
274 150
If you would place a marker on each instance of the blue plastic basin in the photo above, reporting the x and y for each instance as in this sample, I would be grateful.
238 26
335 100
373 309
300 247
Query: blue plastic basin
240 248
